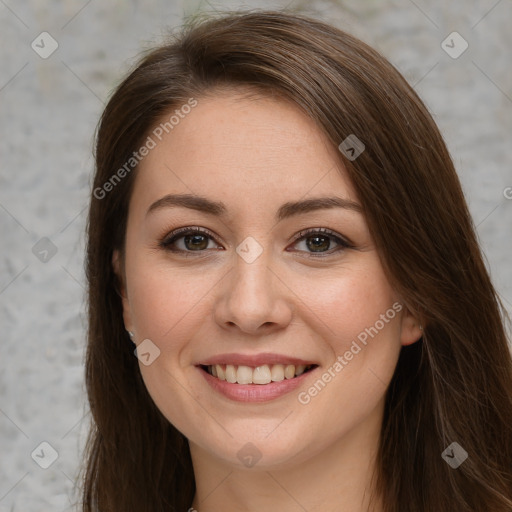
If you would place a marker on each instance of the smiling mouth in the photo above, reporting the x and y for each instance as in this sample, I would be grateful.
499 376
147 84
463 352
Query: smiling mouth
265 374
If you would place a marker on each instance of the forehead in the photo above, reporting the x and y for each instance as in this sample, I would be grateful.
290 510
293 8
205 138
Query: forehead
250 150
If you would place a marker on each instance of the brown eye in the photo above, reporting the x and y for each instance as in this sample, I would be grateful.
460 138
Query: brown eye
319 240
194 240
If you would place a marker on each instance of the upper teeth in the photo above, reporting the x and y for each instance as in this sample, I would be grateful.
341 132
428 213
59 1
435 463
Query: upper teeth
259 375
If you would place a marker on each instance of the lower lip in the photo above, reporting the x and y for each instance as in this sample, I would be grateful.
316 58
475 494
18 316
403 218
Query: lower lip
255 392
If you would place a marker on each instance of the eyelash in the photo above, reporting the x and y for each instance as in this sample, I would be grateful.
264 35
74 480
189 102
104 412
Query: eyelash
172 237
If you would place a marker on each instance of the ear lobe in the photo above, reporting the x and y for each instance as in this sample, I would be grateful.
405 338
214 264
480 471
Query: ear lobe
410 331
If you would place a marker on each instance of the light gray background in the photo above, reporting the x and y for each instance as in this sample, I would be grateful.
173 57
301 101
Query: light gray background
49 110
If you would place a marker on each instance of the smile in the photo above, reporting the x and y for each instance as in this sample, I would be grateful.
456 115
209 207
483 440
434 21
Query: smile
264 374
255 383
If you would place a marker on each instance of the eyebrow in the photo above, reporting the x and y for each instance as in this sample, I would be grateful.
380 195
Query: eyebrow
218 208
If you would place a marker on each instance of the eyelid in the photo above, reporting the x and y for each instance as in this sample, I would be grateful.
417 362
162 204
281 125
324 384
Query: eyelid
325 231
175 234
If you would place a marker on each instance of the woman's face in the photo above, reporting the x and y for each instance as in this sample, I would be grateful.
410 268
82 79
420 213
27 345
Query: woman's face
270 283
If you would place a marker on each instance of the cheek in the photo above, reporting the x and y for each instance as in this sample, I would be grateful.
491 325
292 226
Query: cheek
349 304
168 307
356 322
164 301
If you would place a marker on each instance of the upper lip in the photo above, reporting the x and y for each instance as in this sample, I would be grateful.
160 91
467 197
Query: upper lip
253 360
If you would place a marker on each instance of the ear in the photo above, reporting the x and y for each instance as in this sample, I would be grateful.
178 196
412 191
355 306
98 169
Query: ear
119 272
410 331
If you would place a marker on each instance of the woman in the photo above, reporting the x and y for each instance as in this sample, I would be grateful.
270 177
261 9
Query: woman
278 230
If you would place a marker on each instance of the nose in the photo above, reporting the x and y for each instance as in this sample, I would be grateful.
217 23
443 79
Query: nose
253 299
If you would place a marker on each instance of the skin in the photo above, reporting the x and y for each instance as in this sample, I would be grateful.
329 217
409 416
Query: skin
242 151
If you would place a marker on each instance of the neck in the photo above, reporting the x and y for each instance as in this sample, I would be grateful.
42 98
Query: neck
337 478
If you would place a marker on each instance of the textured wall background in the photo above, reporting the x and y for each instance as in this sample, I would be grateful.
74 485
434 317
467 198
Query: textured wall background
49 110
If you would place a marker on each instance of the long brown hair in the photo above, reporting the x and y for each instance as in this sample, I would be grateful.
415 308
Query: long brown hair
453 385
